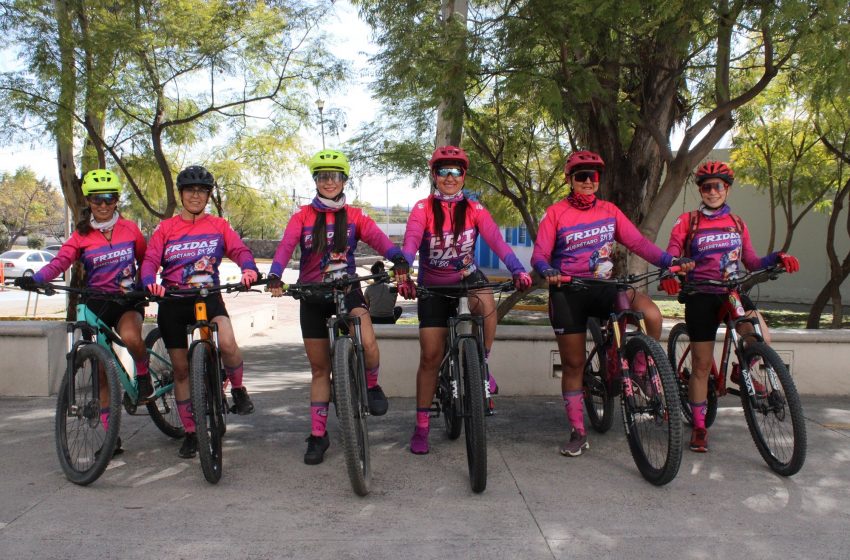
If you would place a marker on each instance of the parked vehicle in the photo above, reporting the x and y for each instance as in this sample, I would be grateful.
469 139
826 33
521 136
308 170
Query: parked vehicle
53 249
18 262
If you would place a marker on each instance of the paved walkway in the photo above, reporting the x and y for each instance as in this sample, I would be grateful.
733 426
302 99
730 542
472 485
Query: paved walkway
538 504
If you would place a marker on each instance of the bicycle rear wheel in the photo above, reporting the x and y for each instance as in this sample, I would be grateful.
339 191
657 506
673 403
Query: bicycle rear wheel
598 402
774 415
651 412
351 412
448 395
163 410
206 410
473 417
84 446
679 351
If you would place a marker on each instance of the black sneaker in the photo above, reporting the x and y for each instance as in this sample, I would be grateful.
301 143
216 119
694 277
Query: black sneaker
316 447
118 449
241 401
378 404
145 387
190 446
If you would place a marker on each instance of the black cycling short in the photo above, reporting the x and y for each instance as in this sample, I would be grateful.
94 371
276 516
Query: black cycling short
434 310
110 311
316 311
701 314
570 306
175 315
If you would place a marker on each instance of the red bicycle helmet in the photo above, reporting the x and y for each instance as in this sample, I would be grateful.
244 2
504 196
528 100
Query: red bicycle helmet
583 160
714 170
447 155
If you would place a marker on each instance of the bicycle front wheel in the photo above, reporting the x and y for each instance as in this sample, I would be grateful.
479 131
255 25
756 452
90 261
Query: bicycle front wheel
774 414
651 412
206 410
351 411
473 418
448 396
163 410
598 402
84 446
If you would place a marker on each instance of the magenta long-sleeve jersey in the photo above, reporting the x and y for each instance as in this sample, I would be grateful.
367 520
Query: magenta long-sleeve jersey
444 261
299 232
190 252
580 242
110 265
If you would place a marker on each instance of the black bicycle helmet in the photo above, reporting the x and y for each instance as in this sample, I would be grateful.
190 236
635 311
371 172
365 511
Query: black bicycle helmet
195 175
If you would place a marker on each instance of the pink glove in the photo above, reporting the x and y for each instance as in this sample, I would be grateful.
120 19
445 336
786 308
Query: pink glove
249 277
670 285
407 289
522 281
156 289
789 262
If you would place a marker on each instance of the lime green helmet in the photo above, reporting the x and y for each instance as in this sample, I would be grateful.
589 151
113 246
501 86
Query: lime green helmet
100 181
329 160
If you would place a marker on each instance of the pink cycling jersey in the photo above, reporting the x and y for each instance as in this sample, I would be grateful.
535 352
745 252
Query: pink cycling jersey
717 247
190 252
110 264
580 243
299 232
444 261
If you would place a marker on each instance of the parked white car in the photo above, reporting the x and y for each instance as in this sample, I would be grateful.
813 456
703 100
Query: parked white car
17 262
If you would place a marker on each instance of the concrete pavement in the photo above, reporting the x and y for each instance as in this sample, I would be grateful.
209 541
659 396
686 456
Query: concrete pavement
538 504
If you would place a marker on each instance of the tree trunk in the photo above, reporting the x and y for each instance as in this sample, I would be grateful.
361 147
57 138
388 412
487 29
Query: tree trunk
450 110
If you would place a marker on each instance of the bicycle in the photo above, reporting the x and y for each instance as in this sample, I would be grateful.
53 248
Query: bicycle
206 382
768 395
93 374
348 372
648 395
463 394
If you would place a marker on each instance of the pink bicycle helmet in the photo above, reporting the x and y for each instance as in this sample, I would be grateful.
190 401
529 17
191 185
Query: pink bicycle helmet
583 160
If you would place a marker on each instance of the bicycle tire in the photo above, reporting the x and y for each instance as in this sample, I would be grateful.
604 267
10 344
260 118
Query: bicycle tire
768 412
679 351
163 410
206 411
651 414
473 414
598 401
83 446
351 413
448 383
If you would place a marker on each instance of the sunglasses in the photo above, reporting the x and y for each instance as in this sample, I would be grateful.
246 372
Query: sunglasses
334 176
103 198
706 188
582 176
197 190
449 171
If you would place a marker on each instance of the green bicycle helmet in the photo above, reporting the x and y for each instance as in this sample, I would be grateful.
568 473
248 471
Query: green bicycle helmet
100 181
329 160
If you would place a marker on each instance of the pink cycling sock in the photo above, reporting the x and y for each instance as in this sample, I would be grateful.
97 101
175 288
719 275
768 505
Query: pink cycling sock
372 377
318 418
141 367
104 418
698 411
423 419
234 374
184 410
574 403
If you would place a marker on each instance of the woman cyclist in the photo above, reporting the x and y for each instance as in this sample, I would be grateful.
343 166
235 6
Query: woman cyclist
444 229
719 243
189 247
110 249
327 230
576 238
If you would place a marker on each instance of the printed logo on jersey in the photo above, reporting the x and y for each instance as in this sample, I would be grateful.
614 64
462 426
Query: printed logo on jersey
585 236
193 246
445 253
116 263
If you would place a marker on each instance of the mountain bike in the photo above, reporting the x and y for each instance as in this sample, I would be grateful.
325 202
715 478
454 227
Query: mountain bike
768 395
94 380
348 372
463 393
623 360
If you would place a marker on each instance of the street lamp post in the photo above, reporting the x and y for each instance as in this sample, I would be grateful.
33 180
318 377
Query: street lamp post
320 104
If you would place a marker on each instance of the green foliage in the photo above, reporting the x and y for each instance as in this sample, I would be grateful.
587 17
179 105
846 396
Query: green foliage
28 205
35 242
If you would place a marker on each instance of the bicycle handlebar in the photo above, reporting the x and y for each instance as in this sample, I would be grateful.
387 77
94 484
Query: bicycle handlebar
335 284
770 273
505 286
48 289
621 281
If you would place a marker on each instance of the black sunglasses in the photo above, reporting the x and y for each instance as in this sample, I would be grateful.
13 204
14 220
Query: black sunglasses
446 171
582 176
103 198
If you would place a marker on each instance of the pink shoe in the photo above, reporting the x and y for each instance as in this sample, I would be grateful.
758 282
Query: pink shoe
491 384
419 441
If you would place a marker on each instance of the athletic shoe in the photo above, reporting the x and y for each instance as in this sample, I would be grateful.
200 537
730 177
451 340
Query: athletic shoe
699 440
316 447
378 404
145 387
419 441
242 404
118 449
190 446
576 445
